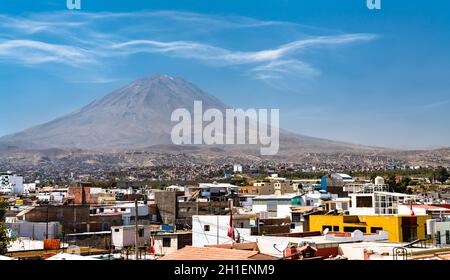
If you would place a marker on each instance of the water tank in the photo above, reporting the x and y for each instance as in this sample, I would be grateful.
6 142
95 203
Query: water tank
431 227
379 180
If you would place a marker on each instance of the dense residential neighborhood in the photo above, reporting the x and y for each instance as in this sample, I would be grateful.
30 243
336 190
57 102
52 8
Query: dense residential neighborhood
334 217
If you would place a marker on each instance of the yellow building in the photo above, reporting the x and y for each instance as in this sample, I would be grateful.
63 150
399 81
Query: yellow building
400 228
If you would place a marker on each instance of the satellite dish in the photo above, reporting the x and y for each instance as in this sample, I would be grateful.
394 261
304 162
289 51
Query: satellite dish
281 246
325 232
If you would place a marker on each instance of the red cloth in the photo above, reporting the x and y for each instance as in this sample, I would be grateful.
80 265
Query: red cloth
152 247
230 232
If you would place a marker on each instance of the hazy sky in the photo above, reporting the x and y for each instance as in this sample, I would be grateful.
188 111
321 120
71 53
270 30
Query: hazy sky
334 68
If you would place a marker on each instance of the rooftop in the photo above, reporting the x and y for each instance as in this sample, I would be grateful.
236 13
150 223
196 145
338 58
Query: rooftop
209 253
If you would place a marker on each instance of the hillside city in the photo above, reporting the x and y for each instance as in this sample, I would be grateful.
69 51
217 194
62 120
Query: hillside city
190 131
236 212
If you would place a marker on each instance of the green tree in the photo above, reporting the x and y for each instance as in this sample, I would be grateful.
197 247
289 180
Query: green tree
403 186
4 240
392 182
441 174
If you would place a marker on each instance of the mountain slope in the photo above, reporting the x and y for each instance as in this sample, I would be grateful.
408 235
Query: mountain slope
138 116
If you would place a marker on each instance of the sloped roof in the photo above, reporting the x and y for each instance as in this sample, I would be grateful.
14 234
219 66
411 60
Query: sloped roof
209 253
238 246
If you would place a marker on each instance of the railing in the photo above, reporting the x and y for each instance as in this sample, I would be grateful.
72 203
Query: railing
403 250
400 251
421 242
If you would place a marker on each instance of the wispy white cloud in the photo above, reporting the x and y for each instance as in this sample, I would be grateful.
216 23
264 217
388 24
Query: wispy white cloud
271 63
36 52
79 39
278 69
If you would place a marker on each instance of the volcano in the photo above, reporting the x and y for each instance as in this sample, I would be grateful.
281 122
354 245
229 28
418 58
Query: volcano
139 116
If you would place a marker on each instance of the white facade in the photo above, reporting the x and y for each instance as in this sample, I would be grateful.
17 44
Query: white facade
316 198
11 184
164 242
423 209
213 229
377 203
56 196
126 209
29 188
124 236
339 204
34 231
237 168
277 206
207 189
443 233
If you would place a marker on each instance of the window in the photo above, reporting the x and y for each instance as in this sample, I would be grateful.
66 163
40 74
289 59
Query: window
438 237
141 232
123 209
206 228
292 226
375 229
364 201
352 229
336 228
166 242
116 230
272 206
327 227
296 217
447 237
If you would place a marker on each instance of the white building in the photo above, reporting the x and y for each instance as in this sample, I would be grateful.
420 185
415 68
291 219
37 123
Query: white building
124 236
126 209
366 188
443 233
340 204
378 203
208 190
11 184
57 196
29 188
435 212
237 168
213 229
277 206
165 242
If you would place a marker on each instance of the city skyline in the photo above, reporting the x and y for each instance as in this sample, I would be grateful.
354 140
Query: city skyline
378 78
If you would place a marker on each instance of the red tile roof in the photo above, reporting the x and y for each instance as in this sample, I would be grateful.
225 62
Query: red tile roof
209 253
239 246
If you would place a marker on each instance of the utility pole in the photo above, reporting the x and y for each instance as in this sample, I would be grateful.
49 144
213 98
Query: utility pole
46 231
136 235
74 217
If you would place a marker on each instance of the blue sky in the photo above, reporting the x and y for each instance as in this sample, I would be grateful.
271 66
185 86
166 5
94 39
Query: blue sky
334 68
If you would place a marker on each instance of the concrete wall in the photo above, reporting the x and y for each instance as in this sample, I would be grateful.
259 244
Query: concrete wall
125 236
218 228
167 206
35 231
443 229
